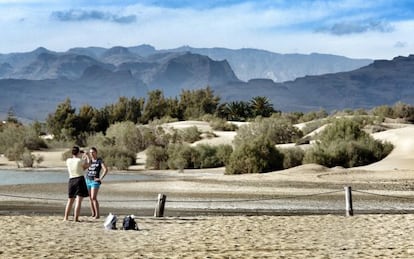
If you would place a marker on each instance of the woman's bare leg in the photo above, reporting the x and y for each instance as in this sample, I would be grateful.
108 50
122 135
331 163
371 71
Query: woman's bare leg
93 212
94 202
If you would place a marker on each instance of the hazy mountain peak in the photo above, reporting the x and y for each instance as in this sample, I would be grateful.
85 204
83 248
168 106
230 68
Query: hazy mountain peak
143 50
41 50
118 50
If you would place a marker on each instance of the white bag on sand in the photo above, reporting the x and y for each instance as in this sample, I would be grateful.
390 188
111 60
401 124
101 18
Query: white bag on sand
110 221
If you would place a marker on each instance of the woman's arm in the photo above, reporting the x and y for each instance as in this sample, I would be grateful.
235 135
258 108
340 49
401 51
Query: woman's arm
104 172
87 161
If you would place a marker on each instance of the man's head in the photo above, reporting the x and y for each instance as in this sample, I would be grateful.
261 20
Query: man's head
75 150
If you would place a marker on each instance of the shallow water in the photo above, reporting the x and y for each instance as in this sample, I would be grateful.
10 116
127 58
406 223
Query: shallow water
11 177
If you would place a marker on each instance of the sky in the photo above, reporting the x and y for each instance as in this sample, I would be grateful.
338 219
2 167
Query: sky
375 29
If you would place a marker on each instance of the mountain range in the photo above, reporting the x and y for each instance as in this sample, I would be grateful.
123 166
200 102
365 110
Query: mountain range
33 83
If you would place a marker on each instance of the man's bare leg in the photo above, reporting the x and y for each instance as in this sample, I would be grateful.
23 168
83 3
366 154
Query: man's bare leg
78 207
68 208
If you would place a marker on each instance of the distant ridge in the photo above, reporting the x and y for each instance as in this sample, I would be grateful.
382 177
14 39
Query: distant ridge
34 83
246 63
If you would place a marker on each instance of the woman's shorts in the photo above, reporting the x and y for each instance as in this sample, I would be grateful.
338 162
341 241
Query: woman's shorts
77 187
92 184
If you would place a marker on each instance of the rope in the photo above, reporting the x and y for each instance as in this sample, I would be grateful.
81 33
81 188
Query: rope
181 201
384 195
56 199
258 199
152 200
28 197
221 201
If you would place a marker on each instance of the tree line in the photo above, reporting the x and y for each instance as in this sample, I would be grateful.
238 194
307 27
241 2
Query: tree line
67 124
131 125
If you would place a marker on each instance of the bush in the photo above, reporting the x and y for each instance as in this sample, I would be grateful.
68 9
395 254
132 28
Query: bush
223 153
273 130
157 135
206 157
179 156
32 141
157 158
116 157
190 134
310 116
313 125
257 156
15 152
11 135
126 136
54 143
223 125
163 120
292 157
344 144
28 158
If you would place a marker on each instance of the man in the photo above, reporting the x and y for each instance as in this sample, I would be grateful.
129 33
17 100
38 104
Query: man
77 185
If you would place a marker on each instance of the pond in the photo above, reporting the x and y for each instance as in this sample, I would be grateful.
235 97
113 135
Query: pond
11 177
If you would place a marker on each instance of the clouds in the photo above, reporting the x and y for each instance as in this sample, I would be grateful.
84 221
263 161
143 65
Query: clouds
85 15
353 28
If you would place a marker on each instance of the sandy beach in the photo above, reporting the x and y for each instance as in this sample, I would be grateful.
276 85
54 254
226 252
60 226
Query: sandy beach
365 236
294 213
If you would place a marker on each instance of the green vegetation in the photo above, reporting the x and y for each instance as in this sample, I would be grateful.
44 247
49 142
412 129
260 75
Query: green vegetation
292 156
222 124
275 130
344 143
183 156
255 156
255 146
123 129
17 142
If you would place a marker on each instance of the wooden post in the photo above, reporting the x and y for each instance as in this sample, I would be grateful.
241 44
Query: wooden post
159 210
348 200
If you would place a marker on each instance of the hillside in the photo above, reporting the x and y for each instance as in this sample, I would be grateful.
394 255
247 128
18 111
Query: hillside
384 82
39 80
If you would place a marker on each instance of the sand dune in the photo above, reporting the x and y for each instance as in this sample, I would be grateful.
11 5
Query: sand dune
402 156
40 232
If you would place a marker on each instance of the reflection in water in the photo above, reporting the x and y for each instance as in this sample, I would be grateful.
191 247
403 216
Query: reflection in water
10 177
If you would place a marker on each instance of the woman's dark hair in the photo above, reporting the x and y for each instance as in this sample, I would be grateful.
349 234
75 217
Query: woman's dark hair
75 150
94 149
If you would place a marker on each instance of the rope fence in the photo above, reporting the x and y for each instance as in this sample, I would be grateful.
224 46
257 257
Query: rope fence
182 201
162 199
385 195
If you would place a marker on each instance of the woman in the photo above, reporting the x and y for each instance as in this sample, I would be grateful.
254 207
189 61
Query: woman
76 186
94 180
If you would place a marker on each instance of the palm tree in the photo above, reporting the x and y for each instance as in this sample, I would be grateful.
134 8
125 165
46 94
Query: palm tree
238 111
261 106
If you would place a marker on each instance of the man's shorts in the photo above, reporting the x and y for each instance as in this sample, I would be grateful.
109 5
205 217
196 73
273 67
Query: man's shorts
77 187
92 184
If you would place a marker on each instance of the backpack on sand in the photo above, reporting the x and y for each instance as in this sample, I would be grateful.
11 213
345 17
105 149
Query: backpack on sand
129 223
110 221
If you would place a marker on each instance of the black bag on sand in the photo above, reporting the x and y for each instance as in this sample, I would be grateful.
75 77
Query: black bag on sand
129 223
